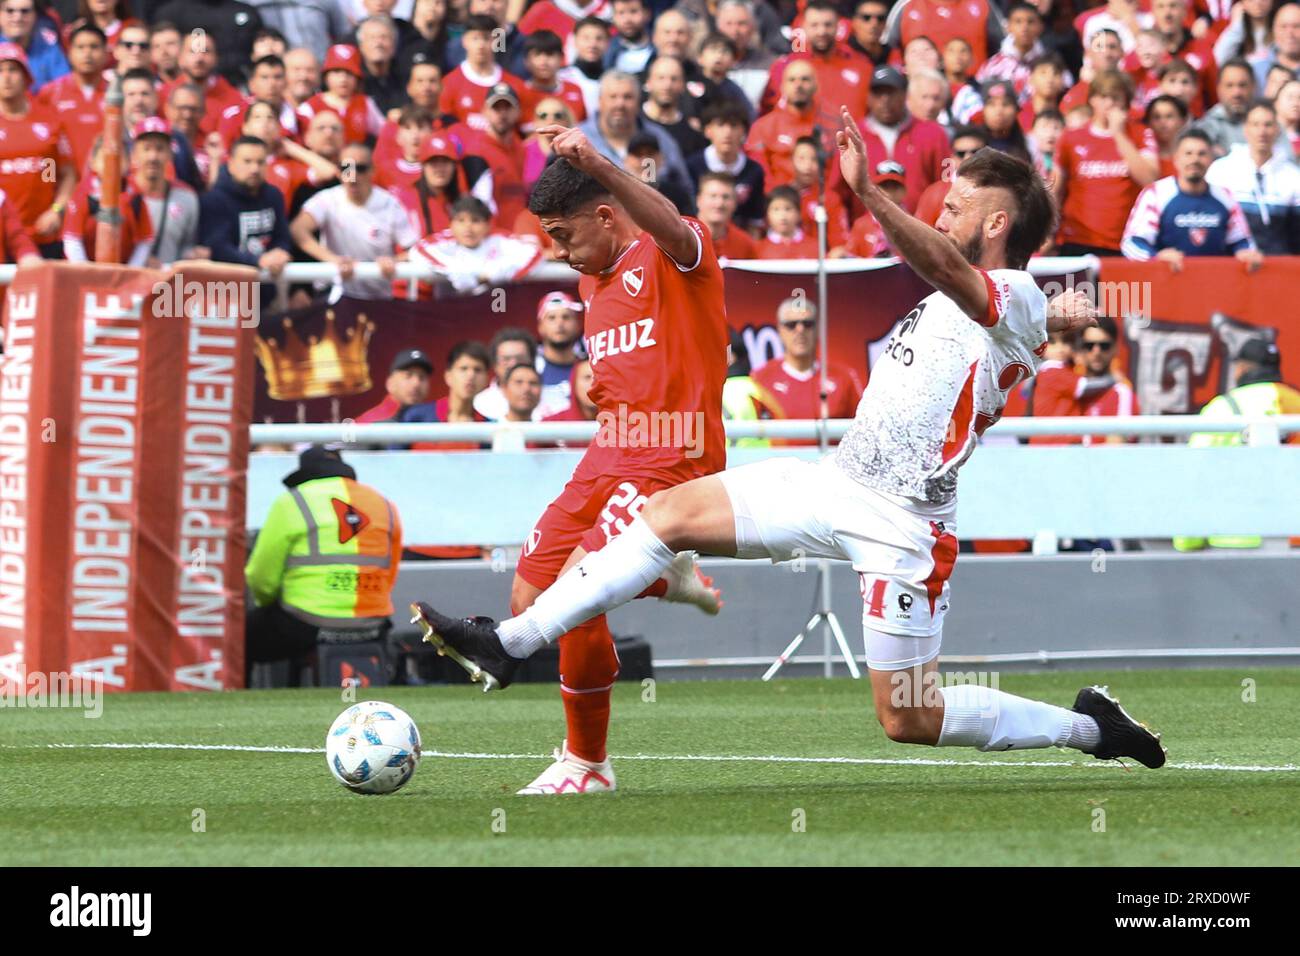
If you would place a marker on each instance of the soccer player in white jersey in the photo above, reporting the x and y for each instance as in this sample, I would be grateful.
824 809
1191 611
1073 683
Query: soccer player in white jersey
886 499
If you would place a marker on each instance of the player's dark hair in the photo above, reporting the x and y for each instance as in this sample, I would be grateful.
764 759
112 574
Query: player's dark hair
1022 5
505 379
1238 63
782 194
471 206
643 143
471 347
1033 217
513 333
1193 132
825 6
87 28
728 112
1164 99
1261 104
1052 59
977 132
480 23
719 39
1176 65
590 21
248 141
563 189
138 73
163 26
270 33
412 115
806 141
543 41
270 60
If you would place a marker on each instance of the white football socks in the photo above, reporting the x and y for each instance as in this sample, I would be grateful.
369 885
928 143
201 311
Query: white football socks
598 583
988 719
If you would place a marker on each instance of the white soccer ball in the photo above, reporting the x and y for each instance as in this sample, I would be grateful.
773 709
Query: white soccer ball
373 747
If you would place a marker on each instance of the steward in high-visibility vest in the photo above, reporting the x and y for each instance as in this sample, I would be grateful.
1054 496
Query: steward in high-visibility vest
742 397
326 559
1259 391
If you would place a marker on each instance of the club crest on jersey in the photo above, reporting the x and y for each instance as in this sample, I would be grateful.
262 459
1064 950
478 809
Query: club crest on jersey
633 280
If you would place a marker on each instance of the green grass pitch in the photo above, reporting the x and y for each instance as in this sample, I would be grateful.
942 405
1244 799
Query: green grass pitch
77 805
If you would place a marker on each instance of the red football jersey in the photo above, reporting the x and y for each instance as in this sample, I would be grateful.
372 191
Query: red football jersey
837 217
361 117
941 21
463 95
1117 401
28 148
80 113
286 175
866 238
80 222
231 123
506 163
547 16
656 335
799 246
218 97
795 394
1099 192
736 244
1056 390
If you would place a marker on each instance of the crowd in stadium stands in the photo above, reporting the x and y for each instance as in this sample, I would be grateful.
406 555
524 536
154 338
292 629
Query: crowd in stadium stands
376 130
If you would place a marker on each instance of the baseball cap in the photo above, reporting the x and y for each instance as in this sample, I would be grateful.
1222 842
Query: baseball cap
12 51
438 145
152 126
556 300
408 357
502 91
890 171
1261 351
887 76
343 57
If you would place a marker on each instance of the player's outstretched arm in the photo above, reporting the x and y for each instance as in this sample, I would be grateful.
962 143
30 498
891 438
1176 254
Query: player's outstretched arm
931 256
648 207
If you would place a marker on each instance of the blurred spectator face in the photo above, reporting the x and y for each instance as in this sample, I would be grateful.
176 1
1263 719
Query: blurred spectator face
428 15
509 354
376 42
303 74
13 81
783 217
342 84
1169 15
268 46
737 25
799 84
1261 129
957 57
357 171
819 27
165 51
559 327
469 230
150 155
631 19
184 108
666 82
1058 348
1105 51
999 115
727 138
1179 85
18 20
1047 133
1078 117
267 83
198 56
896 192
466 377
798 330
1191 159
86 54
964 146
1025 29
1047 81
1288 104
1102 104
503 117
543 65
590 44
920 54
926 97
672 34
583 379
1236 87
410 136
424 85
260 121
1286 31
438 172
804 160
325 134
408 386
132 49
247 166
886 105
478 48
1096 349
1165 123
551 110
522 391
1275 79
717 204
1149 49
618 106
716 59
869 22
643 164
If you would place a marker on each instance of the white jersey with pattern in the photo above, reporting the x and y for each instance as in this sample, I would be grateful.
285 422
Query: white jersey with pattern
941 380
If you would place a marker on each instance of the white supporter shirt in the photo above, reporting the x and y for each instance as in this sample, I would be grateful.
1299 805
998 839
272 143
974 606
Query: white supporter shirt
942 378
495 261
362 233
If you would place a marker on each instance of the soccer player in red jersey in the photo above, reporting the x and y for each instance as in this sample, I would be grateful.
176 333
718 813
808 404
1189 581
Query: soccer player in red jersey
656 335
32 145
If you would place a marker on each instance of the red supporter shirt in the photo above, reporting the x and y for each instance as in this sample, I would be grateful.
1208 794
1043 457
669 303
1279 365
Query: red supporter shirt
941 21
843 77
866 238
386 147
28 147
463 94
1075 97
1117 401
736 244
1099 192
506 163
81 113
1056 387
547 16
799 246
218 97
14 240
286 175
231 124
921 148
394 172
930 206
837 217
794 394
656 334
80 222
772 137
361 117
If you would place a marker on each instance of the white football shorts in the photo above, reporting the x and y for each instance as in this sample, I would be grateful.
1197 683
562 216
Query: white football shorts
902 549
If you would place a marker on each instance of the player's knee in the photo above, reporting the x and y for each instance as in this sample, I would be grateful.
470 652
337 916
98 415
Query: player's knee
664 517
907 725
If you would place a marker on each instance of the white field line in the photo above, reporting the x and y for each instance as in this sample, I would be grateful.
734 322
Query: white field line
682 758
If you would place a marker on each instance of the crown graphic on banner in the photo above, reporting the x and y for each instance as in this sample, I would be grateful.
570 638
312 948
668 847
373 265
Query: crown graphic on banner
331 364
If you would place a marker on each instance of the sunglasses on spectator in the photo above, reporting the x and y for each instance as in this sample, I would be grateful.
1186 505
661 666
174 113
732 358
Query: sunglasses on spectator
870 16
134 44
799 324
963 153
1105 346
362 167
18 11
555 116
